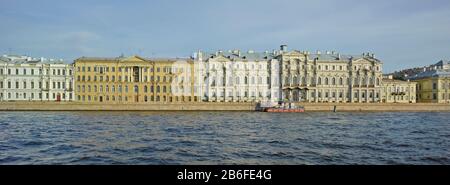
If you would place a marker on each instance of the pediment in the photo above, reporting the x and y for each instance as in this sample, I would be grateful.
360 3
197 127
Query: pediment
220 58
294 52
362 61
133 58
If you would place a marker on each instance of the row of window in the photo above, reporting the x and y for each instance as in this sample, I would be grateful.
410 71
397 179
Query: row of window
332 67
244 94
400 89
220 81
34 72
435 96
56 85
435 86
31 96
126 78
332 81
112 88
126 99
341 94
237 66
402 97
103 69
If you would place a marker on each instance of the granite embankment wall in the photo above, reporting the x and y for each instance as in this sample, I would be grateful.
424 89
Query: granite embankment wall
74 106
310 107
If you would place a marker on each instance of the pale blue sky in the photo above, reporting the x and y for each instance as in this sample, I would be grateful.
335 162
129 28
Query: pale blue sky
402 33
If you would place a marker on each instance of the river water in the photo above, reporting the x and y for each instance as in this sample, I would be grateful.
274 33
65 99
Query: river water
224 138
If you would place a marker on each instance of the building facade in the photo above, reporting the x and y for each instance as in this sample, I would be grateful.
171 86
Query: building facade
329 77
398 91
433 85
133 80
282 75
23 78
235 76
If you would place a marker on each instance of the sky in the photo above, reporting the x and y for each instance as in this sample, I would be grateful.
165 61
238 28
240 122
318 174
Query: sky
401 33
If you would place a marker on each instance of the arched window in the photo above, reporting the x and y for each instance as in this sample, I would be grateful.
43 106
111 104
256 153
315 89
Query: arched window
145 89
158 90
136 89
326 80
333 81
319 81
237 80
378 81
341 81
294 80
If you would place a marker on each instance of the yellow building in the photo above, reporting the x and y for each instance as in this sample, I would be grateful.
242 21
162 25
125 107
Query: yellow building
132 80
398 91
433 87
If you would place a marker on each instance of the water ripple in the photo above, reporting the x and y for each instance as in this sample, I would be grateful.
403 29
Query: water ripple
224 138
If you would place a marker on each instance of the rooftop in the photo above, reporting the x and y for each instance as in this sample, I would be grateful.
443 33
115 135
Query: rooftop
432 73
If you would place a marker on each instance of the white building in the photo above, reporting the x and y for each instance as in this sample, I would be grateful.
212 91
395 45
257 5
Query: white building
23 78
235 76
329 77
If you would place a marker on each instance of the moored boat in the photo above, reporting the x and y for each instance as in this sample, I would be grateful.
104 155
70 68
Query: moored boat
284 110
280 107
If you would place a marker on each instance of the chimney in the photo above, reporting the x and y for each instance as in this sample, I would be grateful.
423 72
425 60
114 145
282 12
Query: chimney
283 48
